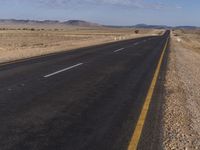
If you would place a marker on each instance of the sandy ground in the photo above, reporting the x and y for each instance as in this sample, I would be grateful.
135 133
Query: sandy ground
24 42
181 111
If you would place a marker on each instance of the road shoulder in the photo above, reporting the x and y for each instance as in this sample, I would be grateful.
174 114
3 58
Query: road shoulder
180 112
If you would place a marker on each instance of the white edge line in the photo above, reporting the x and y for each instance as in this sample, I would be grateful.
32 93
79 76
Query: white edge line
118 50
57 72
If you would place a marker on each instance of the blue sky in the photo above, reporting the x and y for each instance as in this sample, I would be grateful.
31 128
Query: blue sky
109 12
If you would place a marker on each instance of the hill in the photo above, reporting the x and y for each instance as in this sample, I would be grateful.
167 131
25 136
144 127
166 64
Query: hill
80 23
48 22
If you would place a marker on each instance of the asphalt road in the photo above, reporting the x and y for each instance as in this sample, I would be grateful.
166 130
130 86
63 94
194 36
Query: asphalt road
86 99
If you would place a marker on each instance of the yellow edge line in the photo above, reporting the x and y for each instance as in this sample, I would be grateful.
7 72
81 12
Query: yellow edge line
140 123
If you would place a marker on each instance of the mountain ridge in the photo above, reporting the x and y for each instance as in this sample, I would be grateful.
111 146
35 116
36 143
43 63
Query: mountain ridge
48 22
83 23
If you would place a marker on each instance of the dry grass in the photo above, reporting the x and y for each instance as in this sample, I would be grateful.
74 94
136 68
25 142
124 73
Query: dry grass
18 42
189 39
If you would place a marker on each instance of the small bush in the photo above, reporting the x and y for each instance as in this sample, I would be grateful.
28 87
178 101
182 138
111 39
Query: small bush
136 31
32 29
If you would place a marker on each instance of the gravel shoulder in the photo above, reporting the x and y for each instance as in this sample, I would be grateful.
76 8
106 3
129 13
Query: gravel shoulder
181 110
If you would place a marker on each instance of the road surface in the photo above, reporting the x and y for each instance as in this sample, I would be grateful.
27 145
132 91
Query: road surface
86 99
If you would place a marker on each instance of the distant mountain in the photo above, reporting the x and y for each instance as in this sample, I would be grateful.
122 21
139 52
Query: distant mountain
143 26
49 22
15 21
186 27
80 23
151 26
164 27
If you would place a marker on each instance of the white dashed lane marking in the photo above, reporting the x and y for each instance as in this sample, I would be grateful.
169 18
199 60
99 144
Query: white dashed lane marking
60 71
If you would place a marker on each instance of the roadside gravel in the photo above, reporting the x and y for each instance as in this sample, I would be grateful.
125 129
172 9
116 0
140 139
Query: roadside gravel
181 111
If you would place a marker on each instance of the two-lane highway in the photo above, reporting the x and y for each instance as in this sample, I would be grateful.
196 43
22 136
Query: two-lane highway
86 99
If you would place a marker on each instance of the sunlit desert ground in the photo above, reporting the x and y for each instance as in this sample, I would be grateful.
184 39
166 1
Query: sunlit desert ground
19 42
188 39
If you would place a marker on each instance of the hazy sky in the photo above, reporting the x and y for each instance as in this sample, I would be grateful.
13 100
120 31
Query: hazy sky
109 12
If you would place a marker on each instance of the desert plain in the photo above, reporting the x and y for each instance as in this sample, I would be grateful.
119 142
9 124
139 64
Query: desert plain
19 41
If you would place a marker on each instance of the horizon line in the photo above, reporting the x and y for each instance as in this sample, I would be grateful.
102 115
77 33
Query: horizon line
62 21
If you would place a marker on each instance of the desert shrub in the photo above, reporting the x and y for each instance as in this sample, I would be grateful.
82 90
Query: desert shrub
136 31
176 34
32 29
24 45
